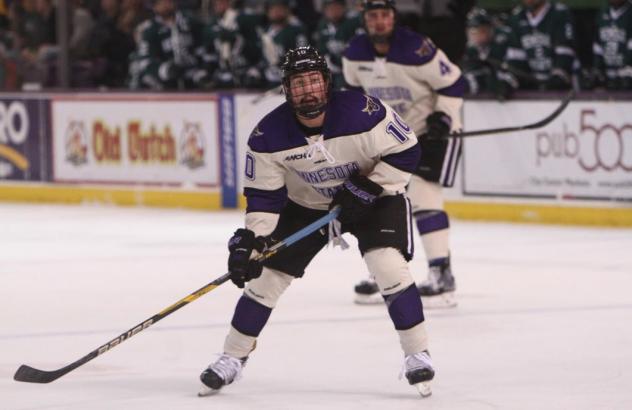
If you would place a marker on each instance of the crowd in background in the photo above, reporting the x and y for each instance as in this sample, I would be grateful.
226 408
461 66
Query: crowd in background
220 44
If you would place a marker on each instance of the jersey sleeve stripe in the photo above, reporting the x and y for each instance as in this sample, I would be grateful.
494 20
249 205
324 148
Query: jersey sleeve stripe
406 160
455 90
260 200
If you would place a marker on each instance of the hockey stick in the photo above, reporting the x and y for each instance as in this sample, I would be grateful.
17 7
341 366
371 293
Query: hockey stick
278 90
31 375
541 123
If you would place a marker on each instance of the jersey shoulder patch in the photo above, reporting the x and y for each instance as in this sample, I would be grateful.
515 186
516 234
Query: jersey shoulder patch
351 113
410 48
359 49
276 132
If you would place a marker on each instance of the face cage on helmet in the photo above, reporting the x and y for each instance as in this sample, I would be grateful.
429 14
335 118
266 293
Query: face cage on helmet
312 112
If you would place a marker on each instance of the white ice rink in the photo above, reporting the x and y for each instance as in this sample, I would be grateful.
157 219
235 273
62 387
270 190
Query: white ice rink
544 320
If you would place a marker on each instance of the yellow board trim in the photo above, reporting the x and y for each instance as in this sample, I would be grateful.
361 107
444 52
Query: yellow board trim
70 194
209 200
541 214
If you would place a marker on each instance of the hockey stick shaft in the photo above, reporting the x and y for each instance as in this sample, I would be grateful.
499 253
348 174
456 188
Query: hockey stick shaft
533 126
31 375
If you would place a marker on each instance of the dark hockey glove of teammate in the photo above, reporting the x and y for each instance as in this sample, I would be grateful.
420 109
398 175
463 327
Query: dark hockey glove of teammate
240 266
438 125
356 198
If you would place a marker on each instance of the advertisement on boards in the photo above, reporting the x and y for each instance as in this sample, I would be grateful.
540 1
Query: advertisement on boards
157 141
21 145
585 154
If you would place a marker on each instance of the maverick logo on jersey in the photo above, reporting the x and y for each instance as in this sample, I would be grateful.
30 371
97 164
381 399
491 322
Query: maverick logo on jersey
371 106
76 143
426 49
192 145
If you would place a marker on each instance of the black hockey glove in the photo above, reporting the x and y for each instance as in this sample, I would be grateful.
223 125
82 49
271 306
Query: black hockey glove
356 198
240 266
438 125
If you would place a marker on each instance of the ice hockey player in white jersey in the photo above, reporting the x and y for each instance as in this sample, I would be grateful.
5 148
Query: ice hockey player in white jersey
408 72
319 149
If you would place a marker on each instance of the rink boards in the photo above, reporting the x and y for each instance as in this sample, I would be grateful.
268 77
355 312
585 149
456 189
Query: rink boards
187 150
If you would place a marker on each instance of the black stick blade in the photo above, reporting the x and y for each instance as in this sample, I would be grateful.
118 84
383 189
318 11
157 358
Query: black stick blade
29 374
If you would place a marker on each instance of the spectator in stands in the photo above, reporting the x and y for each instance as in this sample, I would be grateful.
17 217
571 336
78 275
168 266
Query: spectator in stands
8 51
282 33
132 14
444 22
37 38
112 43
306 12
232 40
334 31
613 46
487 45
82 26
169 52
541 50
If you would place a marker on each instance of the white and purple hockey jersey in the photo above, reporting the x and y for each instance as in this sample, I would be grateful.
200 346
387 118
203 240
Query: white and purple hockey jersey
359 135
415 77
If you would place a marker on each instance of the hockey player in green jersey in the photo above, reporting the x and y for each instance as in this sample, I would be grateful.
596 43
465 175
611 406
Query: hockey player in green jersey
333 33
541 46
613 47
169 54
283 33
231 36
487 45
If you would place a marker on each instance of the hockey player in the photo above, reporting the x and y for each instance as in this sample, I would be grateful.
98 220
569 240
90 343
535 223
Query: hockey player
170 53
333 33
487 45
541 46
232 37
320 149
613 46
409 73
283 32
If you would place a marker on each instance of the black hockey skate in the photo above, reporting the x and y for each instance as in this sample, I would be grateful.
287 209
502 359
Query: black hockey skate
438 290
419 372
223 372
367 293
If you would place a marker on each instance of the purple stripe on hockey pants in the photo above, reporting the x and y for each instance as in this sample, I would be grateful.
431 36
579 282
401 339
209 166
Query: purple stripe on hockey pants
431 221
250 317
405 308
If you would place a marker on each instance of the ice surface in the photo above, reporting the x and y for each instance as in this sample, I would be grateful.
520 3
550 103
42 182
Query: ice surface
544 318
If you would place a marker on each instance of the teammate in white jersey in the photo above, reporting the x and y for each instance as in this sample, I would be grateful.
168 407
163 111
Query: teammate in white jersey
320 149
407 71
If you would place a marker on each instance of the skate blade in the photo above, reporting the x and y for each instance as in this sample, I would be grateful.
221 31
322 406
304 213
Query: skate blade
207 391
374 299
442 301
423 388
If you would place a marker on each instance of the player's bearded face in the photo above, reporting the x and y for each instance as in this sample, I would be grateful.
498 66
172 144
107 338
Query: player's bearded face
380 24
308 91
